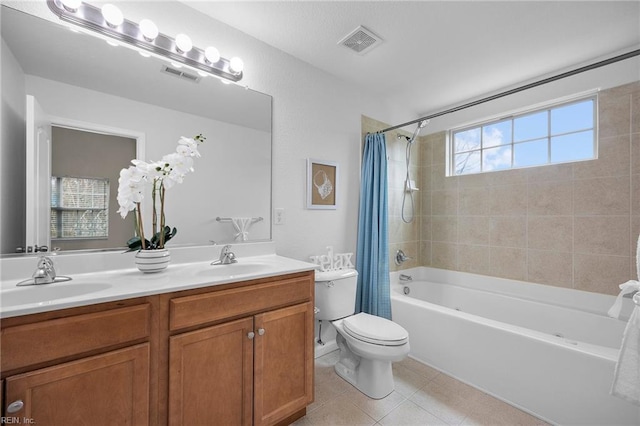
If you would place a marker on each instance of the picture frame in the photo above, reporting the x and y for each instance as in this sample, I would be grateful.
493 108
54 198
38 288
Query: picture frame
322 184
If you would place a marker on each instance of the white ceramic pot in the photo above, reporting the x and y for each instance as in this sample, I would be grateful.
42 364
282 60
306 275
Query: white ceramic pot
153 260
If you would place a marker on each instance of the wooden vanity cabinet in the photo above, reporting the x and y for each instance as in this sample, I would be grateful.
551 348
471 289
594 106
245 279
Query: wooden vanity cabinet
254 365
88 365
232 354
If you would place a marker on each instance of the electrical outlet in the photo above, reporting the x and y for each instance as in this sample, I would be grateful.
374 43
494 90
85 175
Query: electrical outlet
278 216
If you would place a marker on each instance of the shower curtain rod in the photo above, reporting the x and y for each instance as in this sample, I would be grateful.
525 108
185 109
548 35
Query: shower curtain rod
520 89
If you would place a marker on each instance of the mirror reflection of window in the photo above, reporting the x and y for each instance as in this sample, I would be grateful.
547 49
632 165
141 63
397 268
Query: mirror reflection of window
83 189
79 208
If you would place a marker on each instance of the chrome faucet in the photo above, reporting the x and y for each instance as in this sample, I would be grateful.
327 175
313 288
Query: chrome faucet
405 277
401 257
226 257
45 272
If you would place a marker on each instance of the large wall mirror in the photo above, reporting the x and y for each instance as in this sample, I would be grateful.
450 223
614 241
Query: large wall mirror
57 83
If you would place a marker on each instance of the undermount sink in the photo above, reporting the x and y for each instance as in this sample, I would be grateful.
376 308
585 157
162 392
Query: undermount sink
48 292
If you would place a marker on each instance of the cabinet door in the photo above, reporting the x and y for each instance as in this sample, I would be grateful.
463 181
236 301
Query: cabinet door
107 389
283 368
211 375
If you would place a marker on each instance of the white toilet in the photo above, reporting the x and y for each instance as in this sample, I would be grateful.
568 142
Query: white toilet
368 344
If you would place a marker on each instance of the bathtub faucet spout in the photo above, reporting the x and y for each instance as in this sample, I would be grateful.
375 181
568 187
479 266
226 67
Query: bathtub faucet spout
405 277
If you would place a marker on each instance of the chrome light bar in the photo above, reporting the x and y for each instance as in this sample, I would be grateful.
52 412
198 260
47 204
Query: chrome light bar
90 17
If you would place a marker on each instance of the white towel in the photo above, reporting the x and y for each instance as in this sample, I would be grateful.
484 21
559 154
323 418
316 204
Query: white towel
241 225
626 288
626 378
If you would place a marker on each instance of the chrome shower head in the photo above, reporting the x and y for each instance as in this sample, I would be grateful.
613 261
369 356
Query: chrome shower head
421 125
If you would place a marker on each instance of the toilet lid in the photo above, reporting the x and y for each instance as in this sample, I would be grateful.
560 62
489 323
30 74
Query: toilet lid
376 330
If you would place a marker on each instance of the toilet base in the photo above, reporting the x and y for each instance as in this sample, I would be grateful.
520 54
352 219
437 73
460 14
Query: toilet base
373 378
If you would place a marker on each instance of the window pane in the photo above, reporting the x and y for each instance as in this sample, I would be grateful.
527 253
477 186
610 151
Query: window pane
55 195
572 117
532 126
496 134
576 146
467 162
85 202
467 140
496 158
532 153
550 135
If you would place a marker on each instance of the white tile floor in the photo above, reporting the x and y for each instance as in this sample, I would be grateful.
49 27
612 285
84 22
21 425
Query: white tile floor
423 396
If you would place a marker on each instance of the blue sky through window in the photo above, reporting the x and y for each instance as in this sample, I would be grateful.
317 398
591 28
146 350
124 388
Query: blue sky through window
558 134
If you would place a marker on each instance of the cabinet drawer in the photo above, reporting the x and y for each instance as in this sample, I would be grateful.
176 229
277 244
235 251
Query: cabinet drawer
106 389
40 342
217 305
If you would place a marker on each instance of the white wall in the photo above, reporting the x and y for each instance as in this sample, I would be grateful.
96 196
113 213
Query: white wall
598 79
12 153
314 115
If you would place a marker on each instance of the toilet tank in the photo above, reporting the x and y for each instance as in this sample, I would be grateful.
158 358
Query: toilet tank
336 293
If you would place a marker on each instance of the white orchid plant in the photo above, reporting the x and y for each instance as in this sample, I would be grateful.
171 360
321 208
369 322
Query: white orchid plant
161 175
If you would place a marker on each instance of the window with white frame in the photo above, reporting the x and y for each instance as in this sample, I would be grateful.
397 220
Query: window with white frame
79 208
554 134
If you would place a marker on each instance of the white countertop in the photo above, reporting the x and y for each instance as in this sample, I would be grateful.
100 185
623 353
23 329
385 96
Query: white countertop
89 288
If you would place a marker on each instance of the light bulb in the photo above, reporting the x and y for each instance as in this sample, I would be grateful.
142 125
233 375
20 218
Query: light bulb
71 5
148 29
211 54
183 43
112 15
236 65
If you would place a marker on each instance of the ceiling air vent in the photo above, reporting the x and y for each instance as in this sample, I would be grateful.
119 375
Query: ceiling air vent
181 74
361 40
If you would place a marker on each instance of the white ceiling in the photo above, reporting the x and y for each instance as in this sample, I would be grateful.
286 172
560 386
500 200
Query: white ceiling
438 54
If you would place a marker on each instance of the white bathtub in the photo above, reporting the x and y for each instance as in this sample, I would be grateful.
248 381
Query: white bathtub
547 350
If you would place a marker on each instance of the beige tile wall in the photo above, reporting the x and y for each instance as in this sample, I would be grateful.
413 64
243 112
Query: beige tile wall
571 225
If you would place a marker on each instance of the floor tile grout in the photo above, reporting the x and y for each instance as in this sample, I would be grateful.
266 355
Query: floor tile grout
422 396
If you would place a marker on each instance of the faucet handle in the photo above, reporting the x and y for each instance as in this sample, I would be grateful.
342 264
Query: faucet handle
45 271
401 257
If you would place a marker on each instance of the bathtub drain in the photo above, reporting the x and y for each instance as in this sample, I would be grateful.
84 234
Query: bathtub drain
406 290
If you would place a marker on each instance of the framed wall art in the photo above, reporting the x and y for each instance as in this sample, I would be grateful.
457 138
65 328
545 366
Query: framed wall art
322 182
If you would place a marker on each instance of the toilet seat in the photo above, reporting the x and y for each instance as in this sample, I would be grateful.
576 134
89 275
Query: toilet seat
375 330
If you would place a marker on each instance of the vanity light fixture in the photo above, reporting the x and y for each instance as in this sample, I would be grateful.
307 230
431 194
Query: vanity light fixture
183 43
112 15
211 54
71 5
109 21
236 64
148 29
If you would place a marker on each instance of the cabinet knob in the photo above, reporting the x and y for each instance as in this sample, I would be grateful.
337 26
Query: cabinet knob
15 406
251 335
261 331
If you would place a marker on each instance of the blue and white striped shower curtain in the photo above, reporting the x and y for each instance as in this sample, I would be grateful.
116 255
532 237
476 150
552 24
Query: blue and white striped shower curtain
372 255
